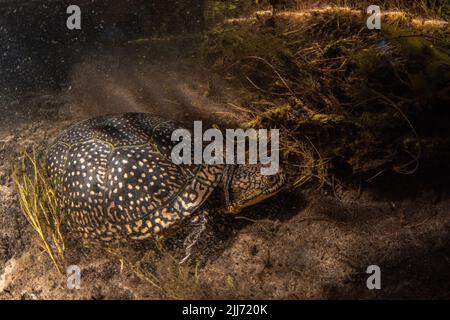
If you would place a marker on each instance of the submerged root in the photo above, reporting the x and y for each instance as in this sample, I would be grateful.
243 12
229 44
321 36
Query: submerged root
317 74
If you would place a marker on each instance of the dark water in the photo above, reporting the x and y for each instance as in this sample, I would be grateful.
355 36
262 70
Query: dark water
37 49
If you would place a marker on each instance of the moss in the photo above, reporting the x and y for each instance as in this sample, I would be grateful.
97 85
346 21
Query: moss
416 46
234 43
428 68
365 60
439 71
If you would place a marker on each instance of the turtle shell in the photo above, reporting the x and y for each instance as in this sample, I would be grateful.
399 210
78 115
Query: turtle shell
115 179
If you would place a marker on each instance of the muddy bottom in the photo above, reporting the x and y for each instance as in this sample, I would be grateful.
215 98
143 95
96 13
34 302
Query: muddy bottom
299 245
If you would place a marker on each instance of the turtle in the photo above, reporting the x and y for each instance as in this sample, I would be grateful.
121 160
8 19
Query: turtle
115 181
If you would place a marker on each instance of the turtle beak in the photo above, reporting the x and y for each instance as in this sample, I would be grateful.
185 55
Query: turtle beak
233 209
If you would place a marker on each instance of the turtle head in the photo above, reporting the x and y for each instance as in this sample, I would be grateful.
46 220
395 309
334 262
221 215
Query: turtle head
245 186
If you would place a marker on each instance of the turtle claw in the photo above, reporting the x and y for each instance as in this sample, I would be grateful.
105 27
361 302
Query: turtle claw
199 227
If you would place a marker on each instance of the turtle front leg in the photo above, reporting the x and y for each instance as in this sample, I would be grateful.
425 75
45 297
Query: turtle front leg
198 225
